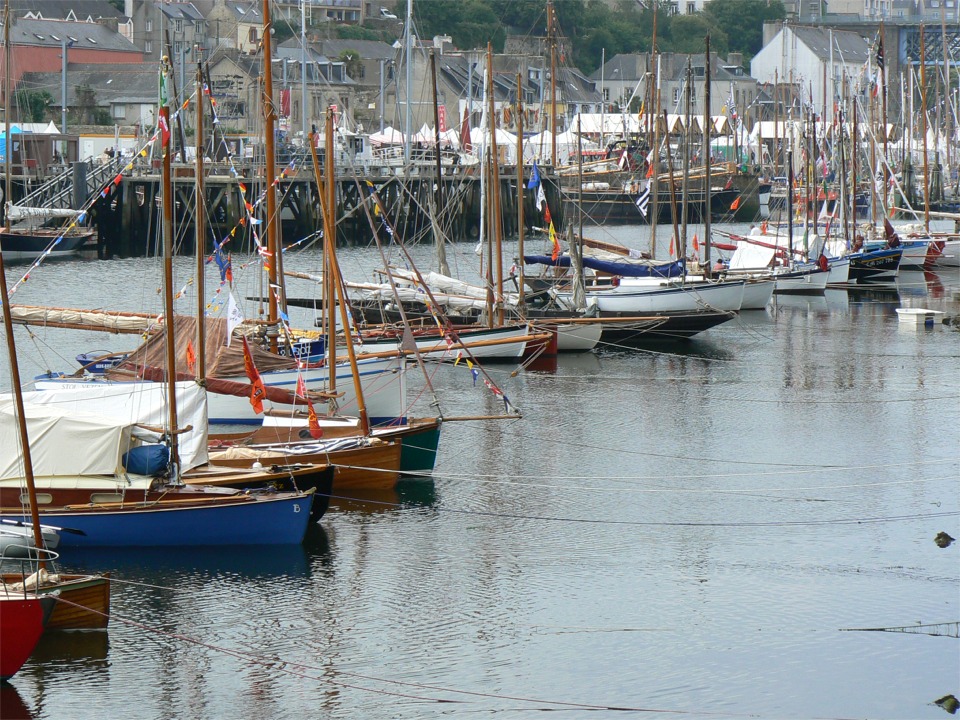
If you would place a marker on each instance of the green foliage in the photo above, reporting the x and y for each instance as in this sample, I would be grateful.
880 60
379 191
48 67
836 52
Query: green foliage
355 32
33 104
352 62
283 29
742 21
590 28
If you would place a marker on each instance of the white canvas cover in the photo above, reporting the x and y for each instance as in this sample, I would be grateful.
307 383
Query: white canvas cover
135 403
63 441
749 256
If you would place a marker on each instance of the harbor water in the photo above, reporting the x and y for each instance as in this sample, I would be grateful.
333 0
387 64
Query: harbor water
736 526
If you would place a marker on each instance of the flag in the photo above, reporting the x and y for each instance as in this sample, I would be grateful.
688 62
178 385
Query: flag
624 160
164 131
314 425
534 177
547 217
541 198
191 356
735 204
729 183
696 243
643 200
880 68
234 317
257 390
672 249
650 170
555 241
301 387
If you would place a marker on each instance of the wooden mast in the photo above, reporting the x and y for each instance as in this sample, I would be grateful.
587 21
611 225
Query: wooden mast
438 240
883 88
277 296
685 182
329 231
923 115
166 199
328 322
199 217
654 185
520 219
707 121
7 320
552 39
495 223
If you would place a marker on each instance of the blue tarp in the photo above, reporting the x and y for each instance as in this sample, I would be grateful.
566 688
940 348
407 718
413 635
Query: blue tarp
674 269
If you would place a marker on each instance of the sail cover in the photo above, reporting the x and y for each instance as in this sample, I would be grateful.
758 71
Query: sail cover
62 441
623 269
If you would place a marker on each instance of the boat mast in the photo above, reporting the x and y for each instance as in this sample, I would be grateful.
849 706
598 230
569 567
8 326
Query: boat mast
277 296
706 157
166 201
552 40
685 183
923 116
790 208
520 219
199 233
654 185
882 69
495 219
8 144
438 239
7 320
329 230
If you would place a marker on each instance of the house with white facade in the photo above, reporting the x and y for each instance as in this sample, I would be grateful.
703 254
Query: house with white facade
802 56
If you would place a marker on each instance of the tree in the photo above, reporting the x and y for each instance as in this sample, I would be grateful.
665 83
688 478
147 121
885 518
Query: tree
742 22
33 104
687 33
352 62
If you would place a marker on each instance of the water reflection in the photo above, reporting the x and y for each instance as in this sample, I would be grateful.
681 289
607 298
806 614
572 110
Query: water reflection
12 706
87 648
253 561
409 492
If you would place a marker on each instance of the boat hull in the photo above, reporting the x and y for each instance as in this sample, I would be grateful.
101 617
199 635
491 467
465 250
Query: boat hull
21 624
877 266
29 245
624 330
240 520
670 298
83 601
802 282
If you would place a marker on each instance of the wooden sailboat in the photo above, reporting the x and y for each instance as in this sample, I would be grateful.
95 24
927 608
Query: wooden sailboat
82 601
102 480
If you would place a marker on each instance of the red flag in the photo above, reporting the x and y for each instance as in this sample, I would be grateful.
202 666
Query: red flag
735 204
696 243
729 184
301 387
191 356
164 131
672 250
315 430
650 171
257 391
465 144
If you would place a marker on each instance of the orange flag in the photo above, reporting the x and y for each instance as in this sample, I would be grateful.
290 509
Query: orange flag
672 249
650 171
696 243
735 204
315 430
191 356
257 391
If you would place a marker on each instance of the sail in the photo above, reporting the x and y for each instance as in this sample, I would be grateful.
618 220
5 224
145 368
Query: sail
18 212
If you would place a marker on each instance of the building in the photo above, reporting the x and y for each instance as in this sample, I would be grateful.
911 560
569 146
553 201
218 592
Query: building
174 29
40 45
802 57
320 11
236 25
623 82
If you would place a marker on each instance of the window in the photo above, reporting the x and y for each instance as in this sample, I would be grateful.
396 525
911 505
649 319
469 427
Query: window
119 111
198 28
148 46
149 26
252 35
178 25
676 95
691 8
361 73
606 94
177 47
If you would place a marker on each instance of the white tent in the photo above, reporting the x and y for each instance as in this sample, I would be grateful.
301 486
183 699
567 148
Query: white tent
389 136
506 143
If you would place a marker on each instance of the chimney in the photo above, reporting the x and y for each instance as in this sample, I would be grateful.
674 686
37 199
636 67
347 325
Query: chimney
735 59
110 23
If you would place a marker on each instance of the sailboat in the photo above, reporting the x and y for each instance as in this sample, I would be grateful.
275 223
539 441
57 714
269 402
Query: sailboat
119 483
